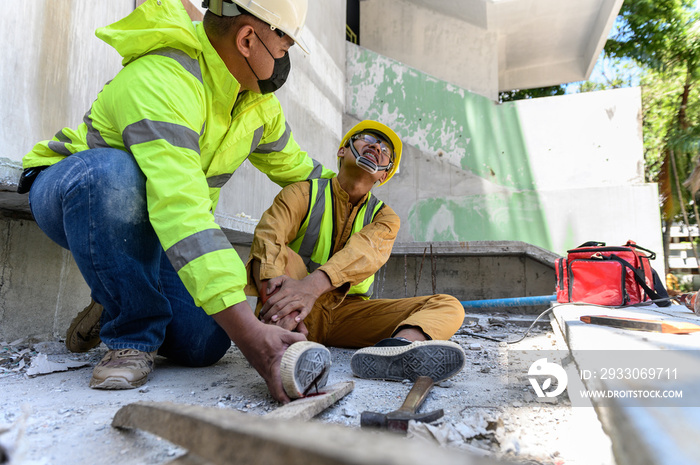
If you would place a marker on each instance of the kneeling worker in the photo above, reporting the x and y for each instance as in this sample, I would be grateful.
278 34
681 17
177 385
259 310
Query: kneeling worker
313 260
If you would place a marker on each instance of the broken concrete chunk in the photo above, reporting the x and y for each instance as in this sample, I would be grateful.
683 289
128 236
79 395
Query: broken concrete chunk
41 365
50 348
443 434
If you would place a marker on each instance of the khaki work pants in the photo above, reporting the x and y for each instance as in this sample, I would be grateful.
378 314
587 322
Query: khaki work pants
356 322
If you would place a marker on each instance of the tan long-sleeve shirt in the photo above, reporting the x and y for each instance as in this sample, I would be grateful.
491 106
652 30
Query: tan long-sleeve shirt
353 258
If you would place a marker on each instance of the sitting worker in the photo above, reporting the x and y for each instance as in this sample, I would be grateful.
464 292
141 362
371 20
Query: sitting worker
313 260
131 192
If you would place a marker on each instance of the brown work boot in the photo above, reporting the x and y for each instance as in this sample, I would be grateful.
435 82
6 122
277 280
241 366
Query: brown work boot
122 369
84 331
304 368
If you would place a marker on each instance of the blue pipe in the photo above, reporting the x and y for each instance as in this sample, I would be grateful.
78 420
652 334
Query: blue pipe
513 302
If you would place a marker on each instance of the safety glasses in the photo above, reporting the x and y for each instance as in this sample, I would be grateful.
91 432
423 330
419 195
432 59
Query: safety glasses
371 139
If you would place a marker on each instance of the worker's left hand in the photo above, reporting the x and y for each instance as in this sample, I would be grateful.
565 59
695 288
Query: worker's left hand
287 295
289 323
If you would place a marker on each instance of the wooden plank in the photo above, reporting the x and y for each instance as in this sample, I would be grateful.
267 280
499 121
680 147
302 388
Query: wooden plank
640 324
308 407
223 436
189 459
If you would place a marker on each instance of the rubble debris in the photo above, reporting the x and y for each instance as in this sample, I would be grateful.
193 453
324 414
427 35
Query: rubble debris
14 356
23 358
50 348
444 434
489 411
41 365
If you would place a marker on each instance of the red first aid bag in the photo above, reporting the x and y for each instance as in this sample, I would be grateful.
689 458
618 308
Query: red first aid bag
615 276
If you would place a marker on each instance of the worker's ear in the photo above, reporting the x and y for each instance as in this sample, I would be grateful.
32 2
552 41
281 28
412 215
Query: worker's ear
341 152
243 37
383 176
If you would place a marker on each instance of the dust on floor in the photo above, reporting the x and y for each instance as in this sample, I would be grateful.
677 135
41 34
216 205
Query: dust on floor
49 416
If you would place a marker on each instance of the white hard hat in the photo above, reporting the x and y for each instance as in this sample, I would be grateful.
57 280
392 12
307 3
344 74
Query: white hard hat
288 16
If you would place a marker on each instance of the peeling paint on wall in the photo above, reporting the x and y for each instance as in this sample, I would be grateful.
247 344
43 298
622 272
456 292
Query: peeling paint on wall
469 132
492 217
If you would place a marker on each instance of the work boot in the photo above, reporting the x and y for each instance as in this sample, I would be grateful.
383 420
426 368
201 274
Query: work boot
84 331
398 359
122 369
304 369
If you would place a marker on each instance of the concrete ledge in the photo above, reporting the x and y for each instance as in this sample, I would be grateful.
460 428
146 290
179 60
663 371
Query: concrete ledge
642 430
10 201
238 230
477 248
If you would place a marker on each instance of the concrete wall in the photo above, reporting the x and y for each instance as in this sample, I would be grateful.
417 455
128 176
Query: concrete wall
442 46
54 66
41 288
468 271
541 171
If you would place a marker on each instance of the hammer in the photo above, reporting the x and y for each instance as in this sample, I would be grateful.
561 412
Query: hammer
397 421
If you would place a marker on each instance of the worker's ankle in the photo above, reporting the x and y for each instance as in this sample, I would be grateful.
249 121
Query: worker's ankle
412 334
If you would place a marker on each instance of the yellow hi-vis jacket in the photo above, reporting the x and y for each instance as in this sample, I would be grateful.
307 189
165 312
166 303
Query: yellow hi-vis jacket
314 240
176 107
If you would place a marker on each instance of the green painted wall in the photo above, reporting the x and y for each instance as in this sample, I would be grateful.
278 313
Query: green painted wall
472 132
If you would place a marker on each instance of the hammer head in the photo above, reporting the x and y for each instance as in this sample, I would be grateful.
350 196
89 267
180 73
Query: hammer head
396 422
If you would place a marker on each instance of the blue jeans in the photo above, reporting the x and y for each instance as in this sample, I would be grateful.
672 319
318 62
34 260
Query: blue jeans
93 203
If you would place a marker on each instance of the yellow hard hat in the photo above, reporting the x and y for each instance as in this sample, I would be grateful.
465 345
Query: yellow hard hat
389 135
288 16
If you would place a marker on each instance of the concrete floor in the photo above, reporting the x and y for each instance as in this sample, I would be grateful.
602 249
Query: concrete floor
489 407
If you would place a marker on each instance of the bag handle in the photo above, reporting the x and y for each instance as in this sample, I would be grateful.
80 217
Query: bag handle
638 277
592 244
652 255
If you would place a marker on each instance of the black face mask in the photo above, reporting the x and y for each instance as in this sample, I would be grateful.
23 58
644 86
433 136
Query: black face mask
280 71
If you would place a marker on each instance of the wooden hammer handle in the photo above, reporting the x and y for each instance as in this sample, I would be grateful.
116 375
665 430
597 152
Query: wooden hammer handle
417 394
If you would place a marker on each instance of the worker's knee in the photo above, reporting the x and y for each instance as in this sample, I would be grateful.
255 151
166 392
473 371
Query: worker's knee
455 309
451 311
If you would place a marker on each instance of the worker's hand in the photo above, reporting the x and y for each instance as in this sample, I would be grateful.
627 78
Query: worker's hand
289 322
287 295
262 345
266 355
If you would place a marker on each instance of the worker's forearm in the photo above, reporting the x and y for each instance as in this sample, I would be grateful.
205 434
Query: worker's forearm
239 322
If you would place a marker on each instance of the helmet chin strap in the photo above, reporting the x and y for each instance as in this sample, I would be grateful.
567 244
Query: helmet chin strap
365 163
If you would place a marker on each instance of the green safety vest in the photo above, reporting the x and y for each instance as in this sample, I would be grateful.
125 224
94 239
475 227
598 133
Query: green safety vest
314 240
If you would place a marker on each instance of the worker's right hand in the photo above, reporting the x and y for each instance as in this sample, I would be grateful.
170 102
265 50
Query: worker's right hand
262 345
266 356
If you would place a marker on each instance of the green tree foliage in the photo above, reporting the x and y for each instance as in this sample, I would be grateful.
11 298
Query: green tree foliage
520 94
662 37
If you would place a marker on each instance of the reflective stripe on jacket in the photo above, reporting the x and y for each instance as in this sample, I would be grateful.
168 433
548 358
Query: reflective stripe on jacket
314 240
176 107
